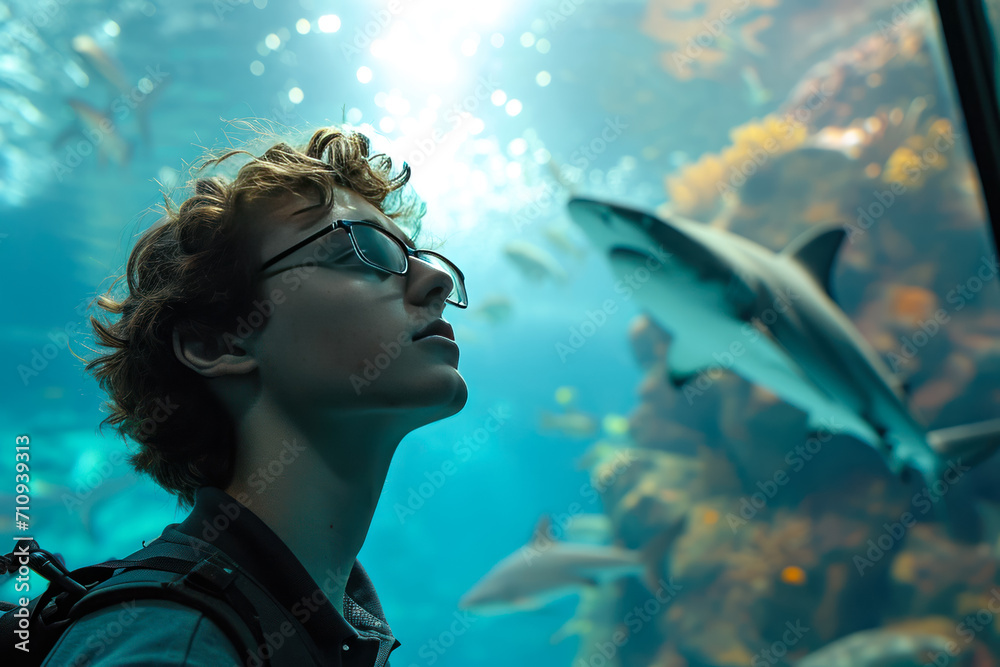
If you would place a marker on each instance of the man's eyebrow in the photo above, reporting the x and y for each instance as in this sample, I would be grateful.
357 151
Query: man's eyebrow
308 208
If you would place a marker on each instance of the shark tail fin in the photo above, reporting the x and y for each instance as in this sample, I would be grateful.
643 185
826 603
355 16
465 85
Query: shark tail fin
655 552
964 446
971 443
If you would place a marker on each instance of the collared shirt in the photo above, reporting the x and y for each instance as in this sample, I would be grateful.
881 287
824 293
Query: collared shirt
168 634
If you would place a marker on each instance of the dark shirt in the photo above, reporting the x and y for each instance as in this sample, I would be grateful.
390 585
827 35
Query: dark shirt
157 633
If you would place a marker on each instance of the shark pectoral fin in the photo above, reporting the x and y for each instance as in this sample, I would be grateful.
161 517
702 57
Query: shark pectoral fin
678 379
655 552
959 514
816 249
685 361
741 296
540 536
971 444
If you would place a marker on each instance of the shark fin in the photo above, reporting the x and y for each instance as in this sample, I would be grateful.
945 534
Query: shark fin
971 444
683 364
816 249
741 296
655 552
540 536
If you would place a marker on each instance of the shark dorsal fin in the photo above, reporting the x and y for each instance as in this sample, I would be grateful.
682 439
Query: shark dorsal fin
541 532
815 249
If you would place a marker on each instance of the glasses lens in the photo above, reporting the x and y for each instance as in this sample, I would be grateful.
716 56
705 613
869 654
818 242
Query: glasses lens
458 295
376 246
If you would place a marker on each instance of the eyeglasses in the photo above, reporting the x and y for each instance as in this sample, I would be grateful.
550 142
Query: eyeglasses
379 249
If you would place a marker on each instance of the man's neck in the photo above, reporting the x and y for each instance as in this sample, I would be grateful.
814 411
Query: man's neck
317 497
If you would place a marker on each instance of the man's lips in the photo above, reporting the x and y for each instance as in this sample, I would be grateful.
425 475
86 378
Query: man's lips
436 328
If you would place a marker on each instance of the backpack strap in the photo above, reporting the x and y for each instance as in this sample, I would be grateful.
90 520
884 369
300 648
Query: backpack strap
205 584
201 588
189 572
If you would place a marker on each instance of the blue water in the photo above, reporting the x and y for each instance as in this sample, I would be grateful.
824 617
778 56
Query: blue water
69 220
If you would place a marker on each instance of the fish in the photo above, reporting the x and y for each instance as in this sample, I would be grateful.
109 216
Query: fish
573 423
913 643
756 93
733 304
99 59
494 309
566 396
534 263
589 528
110 145
545 570
558 236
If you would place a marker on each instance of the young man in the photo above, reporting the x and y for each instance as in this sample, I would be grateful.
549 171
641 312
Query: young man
280 336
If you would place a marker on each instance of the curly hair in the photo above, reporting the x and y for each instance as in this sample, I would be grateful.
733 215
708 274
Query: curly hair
192 270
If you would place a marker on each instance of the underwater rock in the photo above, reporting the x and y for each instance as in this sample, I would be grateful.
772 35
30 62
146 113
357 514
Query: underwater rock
648 340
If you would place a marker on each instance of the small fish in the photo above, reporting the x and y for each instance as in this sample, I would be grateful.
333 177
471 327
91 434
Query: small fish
545 570
908 644
757 94
533 262
102 133
566 395
559 236
494 309
614 425
589 528
575 424
95 56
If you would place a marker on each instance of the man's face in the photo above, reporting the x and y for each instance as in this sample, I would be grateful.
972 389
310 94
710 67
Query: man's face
341 341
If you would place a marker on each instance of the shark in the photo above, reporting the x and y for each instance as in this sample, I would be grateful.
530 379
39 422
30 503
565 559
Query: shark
546 569
732 304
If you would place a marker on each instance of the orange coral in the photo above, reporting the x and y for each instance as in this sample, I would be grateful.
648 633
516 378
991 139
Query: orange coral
920 155
700 35
696 189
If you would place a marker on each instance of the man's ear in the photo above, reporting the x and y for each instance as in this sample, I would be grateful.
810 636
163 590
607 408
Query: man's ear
214 356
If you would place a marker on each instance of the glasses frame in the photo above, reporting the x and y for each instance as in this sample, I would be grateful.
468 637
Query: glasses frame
408 252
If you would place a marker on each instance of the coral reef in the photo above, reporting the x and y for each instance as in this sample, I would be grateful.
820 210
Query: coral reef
824 538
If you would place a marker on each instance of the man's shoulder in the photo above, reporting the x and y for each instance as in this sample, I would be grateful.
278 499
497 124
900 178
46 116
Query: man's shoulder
150 633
